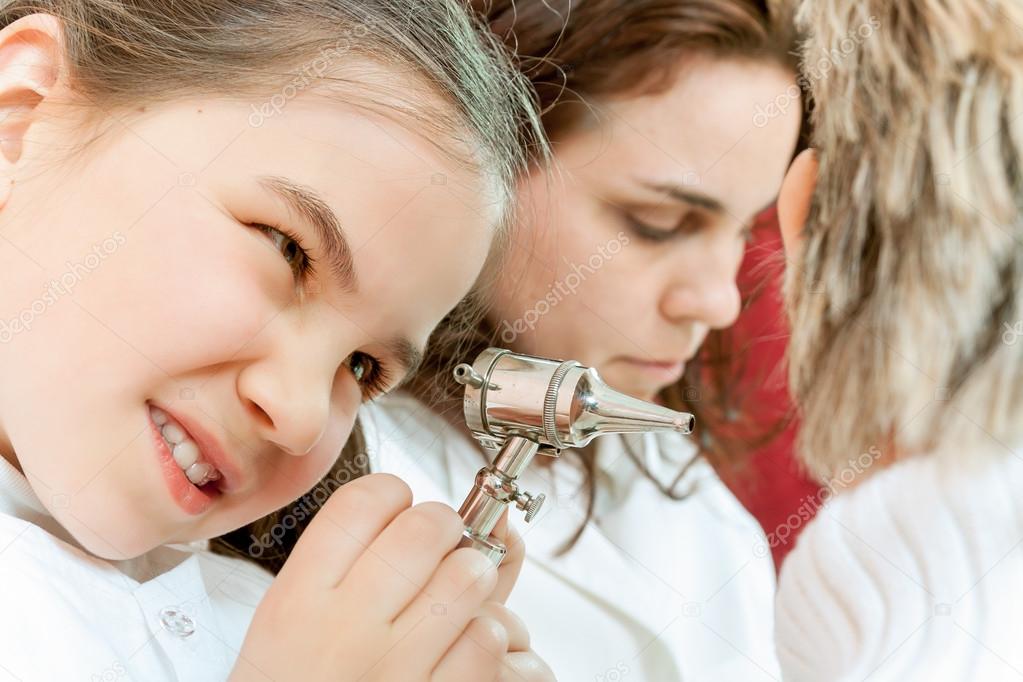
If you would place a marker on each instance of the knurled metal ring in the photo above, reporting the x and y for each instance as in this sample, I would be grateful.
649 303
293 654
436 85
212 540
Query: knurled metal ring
550 403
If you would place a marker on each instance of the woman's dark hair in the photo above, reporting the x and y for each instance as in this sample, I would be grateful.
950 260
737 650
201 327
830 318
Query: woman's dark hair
576 51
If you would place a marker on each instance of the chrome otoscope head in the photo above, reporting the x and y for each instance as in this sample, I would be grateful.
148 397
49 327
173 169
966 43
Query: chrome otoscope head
523 405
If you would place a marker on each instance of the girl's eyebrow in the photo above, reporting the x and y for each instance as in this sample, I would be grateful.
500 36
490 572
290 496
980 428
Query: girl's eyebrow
408 355
308 205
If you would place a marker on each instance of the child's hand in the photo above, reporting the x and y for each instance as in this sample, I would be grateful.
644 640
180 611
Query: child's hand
374 592
511 565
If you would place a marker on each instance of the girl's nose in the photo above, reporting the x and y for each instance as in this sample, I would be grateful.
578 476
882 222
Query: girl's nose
290 397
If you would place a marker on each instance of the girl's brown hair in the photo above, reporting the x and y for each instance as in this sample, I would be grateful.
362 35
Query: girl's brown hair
907 298
574 52
121 55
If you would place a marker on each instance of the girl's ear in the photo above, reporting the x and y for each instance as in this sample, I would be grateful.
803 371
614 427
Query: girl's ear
30 63
794 201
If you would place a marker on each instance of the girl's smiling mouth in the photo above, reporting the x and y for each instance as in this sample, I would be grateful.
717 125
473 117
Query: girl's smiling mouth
192 473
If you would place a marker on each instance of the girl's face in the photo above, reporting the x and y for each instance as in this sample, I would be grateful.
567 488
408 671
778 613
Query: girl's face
148 272
629 256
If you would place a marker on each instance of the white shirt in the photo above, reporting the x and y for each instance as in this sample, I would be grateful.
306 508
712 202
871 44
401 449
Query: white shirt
655 590
915 574
68 615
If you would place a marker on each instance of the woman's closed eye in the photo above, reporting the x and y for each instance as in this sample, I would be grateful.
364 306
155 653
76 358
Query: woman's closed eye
689 224
651 232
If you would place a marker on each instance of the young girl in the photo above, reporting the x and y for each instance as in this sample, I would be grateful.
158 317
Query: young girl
224 225
906 292
626 260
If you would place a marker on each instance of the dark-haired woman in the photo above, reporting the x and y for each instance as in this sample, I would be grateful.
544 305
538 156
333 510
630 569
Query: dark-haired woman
672 124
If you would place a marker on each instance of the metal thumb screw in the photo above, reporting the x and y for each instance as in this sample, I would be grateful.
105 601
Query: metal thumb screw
530 504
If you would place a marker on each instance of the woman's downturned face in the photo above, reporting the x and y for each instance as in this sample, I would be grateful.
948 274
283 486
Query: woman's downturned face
627 258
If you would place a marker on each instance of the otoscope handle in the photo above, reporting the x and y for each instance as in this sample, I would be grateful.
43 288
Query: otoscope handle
491 546
495 488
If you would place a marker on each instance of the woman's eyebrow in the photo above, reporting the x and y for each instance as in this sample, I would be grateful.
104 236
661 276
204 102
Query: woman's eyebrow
682 193
310 206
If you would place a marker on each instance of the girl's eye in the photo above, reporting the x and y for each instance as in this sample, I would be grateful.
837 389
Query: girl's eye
290 247
369 373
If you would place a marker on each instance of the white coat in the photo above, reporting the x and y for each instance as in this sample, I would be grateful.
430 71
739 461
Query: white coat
176 613
655 590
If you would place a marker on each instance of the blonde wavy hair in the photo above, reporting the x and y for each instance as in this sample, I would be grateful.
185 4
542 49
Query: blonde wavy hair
911 271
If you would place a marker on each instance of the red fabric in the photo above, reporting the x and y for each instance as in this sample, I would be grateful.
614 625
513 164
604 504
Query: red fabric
772 488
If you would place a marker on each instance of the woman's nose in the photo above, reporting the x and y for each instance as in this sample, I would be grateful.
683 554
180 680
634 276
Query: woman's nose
708 295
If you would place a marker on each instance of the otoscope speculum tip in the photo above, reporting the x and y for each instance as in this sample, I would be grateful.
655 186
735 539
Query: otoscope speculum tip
685 423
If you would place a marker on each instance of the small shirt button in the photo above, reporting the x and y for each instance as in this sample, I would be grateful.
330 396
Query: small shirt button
176 622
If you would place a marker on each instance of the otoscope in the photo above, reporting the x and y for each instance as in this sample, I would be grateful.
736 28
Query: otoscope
526 405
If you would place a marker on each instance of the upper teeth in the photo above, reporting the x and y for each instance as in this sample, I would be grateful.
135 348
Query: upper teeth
184 449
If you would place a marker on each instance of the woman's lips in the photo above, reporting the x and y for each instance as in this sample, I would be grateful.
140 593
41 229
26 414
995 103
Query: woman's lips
662 371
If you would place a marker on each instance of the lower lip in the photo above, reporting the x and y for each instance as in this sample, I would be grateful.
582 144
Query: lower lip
191 499
663 373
